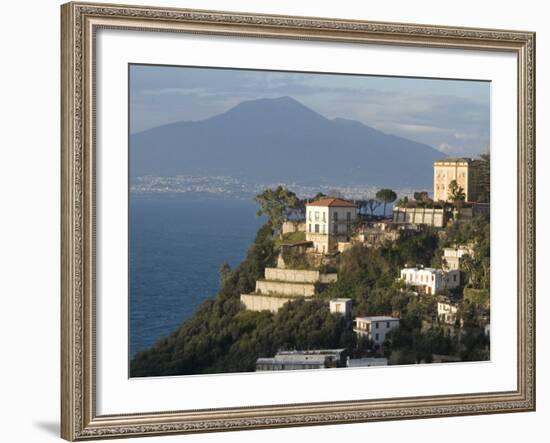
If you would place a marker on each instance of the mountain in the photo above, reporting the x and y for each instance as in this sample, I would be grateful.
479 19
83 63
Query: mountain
281 140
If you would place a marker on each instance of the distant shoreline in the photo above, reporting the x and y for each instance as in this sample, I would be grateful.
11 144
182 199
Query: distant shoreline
229 187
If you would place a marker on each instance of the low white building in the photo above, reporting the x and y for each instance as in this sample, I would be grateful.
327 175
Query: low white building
451 257
341 306
375 328
311 359
447 312
430 280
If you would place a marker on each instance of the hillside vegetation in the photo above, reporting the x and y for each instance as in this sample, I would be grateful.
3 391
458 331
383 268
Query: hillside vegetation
223 337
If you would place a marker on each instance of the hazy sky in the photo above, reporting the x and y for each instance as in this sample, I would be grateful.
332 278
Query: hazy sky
450 115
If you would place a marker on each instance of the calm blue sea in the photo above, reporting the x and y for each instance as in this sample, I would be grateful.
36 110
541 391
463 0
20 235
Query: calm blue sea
177 244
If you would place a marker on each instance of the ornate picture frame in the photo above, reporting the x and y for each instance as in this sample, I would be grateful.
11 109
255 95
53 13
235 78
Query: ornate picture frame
80 22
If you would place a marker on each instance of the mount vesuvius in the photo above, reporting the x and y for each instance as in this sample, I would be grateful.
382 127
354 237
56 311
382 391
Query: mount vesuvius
281 140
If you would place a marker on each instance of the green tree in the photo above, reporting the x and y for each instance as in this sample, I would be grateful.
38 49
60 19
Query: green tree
477 265
483 178
421 197
386 196
278 205
456 192
224 270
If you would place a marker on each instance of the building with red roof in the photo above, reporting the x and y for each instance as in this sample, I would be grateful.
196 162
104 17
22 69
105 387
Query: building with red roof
329 221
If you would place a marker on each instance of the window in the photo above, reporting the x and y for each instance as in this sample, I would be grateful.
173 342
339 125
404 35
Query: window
316 228
316 215
335 228
309 229
309 215
323 229
377 325
348 216
388 324
335 216
324 219
377 337
454 277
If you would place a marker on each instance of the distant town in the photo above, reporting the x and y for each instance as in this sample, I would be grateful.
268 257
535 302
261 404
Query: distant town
338 280
225 186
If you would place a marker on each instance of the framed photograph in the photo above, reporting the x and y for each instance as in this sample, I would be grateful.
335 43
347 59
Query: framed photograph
277 221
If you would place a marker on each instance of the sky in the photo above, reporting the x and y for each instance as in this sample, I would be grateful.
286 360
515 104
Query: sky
452 116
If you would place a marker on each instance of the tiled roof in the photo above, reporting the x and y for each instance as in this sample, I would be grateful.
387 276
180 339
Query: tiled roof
329 201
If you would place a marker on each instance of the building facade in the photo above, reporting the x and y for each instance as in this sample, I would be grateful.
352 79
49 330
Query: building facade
329 221
435 217
294 360
341 306
447 312
462 170
375 328
430 280
279 286
451 257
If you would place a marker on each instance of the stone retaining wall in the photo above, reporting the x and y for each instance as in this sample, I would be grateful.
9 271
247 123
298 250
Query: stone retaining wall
425 216
285 288
254 302
298 276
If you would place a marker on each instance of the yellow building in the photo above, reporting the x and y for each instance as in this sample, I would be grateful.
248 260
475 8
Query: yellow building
329 221
460 169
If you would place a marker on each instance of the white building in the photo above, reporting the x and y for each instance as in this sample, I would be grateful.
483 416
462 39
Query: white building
312 359
375 328
447 312
451 257
329 221
430 280
341 306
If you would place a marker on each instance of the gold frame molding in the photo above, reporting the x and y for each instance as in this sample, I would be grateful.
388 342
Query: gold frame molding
79 22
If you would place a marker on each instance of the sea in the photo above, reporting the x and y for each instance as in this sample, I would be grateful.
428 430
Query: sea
177 244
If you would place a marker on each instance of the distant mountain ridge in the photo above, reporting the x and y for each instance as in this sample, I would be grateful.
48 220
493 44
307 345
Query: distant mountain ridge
281 140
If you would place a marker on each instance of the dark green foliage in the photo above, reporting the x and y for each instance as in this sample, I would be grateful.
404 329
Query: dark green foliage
477 296
476 232
278 205
456 192
363 270
474 342
416 342
422 197
223 337
483 178
295 258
